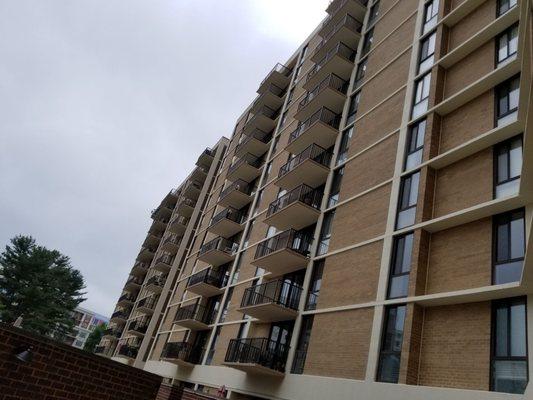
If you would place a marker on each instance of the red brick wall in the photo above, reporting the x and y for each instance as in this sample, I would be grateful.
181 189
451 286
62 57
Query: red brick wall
61 372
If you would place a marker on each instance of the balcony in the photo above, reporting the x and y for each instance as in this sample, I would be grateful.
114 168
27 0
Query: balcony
159 225
321 128
330 93
147 305
185 206
236 195
272 301
272 97
182 353
192 189
206 158
164 263
286 252
297 209
178 225
155 283
199 173
347 30
194 317
255 143
128 351
139 268
120 316
146 254
227 223
112 333
218 251
162 212
338 8
257 356
138 327
280 76
338 60
133 283
263 119
126 300
171 243
247 168
310 167
207 282
153 238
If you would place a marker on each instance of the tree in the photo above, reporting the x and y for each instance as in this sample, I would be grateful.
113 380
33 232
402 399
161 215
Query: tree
40 285
94 338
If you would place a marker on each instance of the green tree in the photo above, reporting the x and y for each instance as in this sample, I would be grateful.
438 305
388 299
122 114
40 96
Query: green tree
40 285
94 338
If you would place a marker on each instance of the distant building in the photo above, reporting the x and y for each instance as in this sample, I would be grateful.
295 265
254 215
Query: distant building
84 323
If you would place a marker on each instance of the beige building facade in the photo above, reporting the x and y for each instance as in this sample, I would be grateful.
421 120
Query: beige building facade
366 231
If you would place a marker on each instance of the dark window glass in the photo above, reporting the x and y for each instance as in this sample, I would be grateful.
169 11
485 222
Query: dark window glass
509 367
211 352
507 167
325 233
421 100
401 266
509 247
504 6
352 109
344 145
408 199
415 144
507 98
431 12
316 283
507 44
391 344
335 187
367 44
360 74
427 52
303 344
226 305
374 13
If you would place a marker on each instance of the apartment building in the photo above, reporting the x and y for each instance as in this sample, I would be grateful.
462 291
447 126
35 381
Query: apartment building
85 321
366 234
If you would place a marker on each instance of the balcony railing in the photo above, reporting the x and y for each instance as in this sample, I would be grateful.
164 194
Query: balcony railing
120 314
113 332
281 292
134 280
181 220
313 152
278 68
141 265
166 259
228 213
148 303
208 276
324 115
340 49
187 201
193 185
257 134
157 280
261 351
126 297
128 350
221 244
240 185
139 326
332 81
182 351
348 21
264 111
272 88
336 5
195 312
303 193
249 159
291 239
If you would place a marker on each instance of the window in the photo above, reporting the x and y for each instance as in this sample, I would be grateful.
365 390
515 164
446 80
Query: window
391 344
507 44
211 352
325 233
304 53
374 13
275 144
421 101
509 367
367 44
226 305
303 344
291 95
408 199
316 283
431 11
258 203
344 146
360 74
352 109
335 187
297 72
271 231
235 277
427 52
504 6
268 170
283 119
400 266
415 145
509 247
248 233
507 101
241 332
508 167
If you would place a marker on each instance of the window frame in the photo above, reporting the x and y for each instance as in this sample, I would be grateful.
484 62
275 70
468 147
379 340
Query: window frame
506 33
499 13
417 102
496 153
428 24
423 60
496 222
373 13
383 340
401 193
498 89
394 259
367 42
408 151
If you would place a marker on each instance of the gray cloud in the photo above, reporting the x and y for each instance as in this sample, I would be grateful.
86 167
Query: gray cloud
105 106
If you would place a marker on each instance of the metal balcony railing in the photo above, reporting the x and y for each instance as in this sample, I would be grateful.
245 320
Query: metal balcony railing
208 276
262 351
239 185
280 68
249 159
340 49
336 5
195 312
291 239
128 350
348 21
263 111
134 280
148 302
181 220
183 351
113 332
280 291
324 115
257 134
173 239
303 193
187 201
120 314
157 280
313 152
126 297
221 244
141 265
271 88
332 81
228 213
166 259
140 326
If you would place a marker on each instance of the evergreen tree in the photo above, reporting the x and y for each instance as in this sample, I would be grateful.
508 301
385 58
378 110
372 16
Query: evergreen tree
40 285
94 338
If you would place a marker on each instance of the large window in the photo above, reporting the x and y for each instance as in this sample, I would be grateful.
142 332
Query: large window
335 187
415 144
325 233
367 43
408 199
352 109
507 167
509 368
504 6
431 14
344 145
421 100
316 283
400 266
507 101
507 44
374 13
391 344
427 52
361 71
509 247
303 344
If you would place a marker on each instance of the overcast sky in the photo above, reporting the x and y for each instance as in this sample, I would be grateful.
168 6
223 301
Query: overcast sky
105 105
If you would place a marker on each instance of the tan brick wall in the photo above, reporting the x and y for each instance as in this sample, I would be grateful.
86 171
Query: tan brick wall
339 344
227 333
460 257
464 184
393 17
456 346
472 23
351 277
